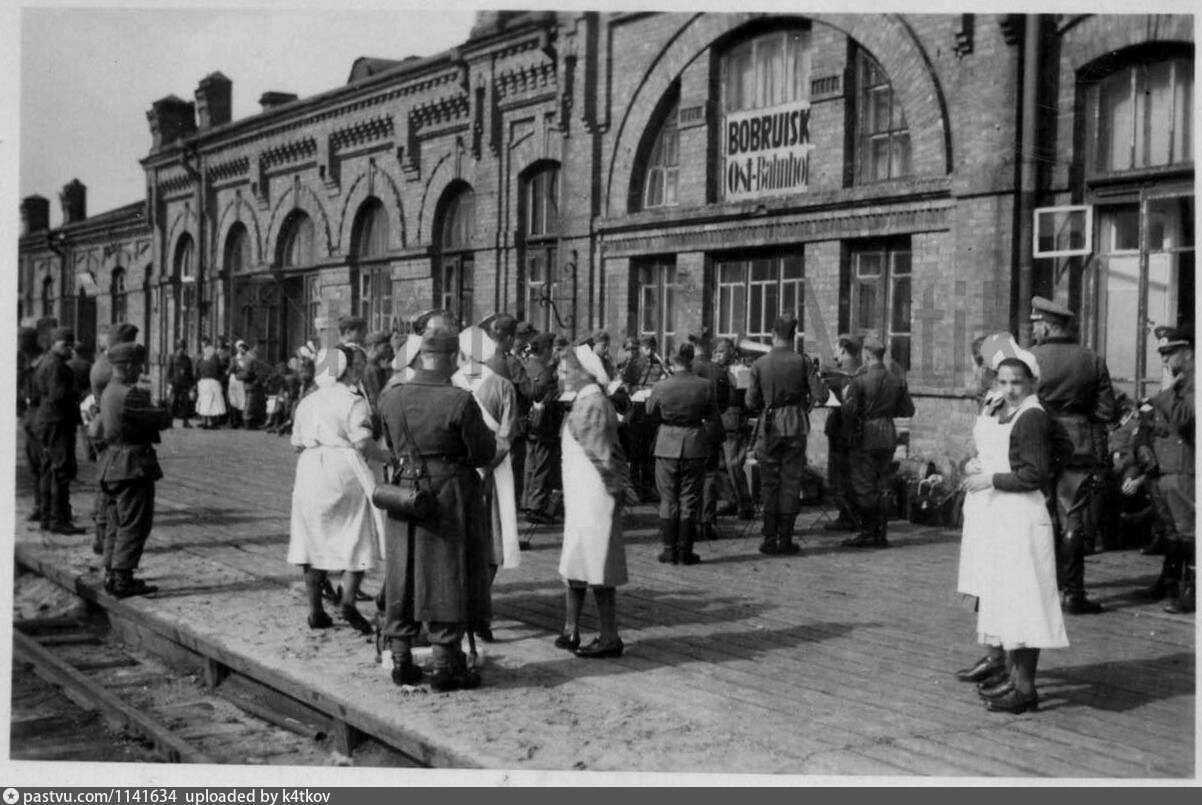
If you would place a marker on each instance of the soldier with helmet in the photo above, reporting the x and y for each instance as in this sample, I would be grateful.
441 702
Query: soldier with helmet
1075 389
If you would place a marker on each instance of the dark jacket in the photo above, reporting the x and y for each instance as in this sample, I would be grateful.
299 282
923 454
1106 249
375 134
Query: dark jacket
686 408
179 372
874 397
54 395
783 387
130 425
545 415
719 376
1031 461
1170 437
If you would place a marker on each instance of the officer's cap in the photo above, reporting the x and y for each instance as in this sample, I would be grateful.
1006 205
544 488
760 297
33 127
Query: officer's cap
1047 310
502 325
126 353
1172 339
440 341
423 318
62 334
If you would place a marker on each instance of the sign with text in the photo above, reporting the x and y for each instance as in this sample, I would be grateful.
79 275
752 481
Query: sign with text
766 152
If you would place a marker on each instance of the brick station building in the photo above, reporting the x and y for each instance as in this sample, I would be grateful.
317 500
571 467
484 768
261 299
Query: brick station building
653 173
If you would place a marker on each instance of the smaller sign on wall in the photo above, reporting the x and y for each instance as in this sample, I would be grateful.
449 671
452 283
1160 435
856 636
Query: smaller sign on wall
766 152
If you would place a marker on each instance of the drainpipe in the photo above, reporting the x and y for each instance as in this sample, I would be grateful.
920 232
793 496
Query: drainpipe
1027 189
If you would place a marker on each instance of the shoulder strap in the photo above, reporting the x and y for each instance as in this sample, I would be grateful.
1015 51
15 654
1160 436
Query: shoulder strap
415 457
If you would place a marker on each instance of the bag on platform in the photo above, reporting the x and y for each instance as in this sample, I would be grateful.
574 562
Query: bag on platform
402 496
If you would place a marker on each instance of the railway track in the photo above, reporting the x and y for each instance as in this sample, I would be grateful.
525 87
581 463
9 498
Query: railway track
80 694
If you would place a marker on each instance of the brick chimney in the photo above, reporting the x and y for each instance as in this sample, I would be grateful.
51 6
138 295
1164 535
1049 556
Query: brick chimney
74 199
270 100
213 101
170 119
35 214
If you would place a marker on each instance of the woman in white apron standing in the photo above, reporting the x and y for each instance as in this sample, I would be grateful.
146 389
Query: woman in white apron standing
1014 568
335 528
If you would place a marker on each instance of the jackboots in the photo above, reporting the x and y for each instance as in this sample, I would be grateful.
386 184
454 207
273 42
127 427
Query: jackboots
1187 601
784 535
125 585
684 543
769 546
668 531
872 535
314 579
1071 561
1170 573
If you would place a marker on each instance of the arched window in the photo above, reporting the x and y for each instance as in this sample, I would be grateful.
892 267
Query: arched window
540 225
370 247
118 296
456 260
237 250
185 268
186 294
296 246
48 296
663 164
882 137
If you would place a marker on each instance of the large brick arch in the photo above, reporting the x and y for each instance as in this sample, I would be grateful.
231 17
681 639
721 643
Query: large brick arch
441 177
1088 38
373 182
886 37
183 223
239 211
305 200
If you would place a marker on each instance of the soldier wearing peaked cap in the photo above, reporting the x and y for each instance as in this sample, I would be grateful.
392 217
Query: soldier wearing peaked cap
436 319
784 386
129 468
437 569
55 421
1167 448
1074 387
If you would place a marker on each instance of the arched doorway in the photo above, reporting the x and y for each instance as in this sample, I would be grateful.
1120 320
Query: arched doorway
454 260
370 249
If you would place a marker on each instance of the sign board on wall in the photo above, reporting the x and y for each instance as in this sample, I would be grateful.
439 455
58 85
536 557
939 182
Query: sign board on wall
766 152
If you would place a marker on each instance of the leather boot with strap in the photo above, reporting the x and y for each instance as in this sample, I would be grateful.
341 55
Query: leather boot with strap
784 535
668 531
1072 591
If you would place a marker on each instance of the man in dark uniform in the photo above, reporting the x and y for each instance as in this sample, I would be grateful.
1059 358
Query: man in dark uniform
437 569
254 373
783 386
182 378
378 347
685 407
873 398
128 469
54 424
1170 445
734 446
542 432
1074 387
505 362
716 476
28 357
838 464
642 371
100 376
81 367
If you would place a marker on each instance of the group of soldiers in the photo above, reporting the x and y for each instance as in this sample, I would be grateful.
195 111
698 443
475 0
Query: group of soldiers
122 428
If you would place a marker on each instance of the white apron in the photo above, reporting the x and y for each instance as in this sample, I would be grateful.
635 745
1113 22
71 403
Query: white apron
1008 556
208 397
504 501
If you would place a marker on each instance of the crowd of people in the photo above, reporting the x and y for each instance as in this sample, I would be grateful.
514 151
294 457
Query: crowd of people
477 428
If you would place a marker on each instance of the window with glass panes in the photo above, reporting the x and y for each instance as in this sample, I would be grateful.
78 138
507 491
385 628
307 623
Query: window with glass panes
657 290
663 164
753 291
1141 117
185 273
371 257
541 219
456 261
312 304
118 296
880 295
882 137
237 250
48 296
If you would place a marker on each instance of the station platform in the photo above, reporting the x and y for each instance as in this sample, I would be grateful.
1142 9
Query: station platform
837 661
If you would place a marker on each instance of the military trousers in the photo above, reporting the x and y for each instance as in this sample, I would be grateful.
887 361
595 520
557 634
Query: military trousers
679 482
1178 493
58 468
129 518
33 457
518 448
542 474
838 477
781 472
871 479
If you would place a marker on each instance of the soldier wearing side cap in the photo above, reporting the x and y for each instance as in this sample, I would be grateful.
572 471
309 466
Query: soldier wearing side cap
784 386
1166 449
685 407
1074 388
129 468
55 421
717 479
874 396
437 570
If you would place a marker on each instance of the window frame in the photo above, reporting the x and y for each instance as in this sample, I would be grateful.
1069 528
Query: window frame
657 278
787 276
1099 140
454 263
540 244
47 296
895 131
663 162
884 316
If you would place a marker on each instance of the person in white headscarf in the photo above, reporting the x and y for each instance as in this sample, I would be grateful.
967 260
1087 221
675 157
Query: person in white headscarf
1008 554
335 528
595 480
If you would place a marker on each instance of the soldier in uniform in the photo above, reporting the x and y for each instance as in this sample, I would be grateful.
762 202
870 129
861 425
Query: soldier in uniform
128 469
1169 447
182 378
1074 387
734 446
100 376
437 569
717 480
542 432
873 398
685 407
28 356
783 386
55 422
838 464
642 371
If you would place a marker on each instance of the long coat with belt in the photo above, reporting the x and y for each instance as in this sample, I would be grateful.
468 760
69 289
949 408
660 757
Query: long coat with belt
441 563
